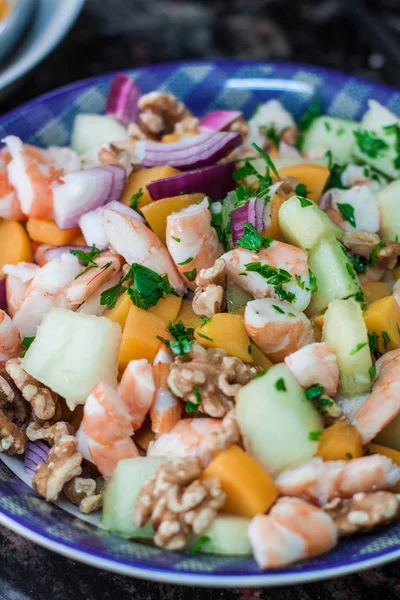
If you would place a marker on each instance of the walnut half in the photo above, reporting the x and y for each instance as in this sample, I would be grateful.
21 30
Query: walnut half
209 297
83 493
12 439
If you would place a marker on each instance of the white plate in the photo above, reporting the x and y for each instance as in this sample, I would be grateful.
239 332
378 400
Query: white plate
51 22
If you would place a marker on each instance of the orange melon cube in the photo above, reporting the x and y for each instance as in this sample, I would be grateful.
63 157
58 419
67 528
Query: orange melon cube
156 212
187 315
119 312
167 308
314 177
250 489
339 442
226 331
15 245
383 318
138 180
139 336
47 232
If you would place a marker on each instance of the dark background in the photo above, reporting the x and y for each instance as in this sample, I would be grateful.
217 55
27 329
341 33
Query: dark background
358 37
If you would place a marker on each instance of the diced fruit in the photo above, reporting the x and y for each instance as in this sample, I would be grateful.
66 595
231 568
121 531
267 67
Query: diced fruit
72 352
167 308
236 297
375 290
227 535
334 274
336 135
156 212
121 493
92 131
169 138
119 312
274 230
352 349
279 425
383 318
138 180
317 322
282 163
376 142
304 226
15 245
259 358
249 488
314 177
187 315
78 240
228 332
387 199
339 442
139 337
47 232
394 456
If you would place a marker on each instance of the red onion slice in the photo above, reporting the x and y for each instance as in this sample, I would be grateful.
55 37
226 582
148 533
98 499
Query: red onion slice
91 223
36 454
122 101
217 120
3 296
252 212
196 151
215 181
84 191
57 251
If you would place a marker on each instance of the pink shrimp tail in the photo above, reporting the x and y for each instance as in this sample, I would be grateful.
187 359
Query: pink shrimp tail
137 389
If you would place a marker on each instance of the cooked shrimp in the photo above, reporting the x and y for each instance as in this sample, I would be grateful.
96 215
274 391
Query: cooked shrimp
271 113
321 481
17 282
315 363
166 409
39 253
384 402
293 530
46 290
107 426
10 339
137 389
290 260
9 203
87 284
362 175
93 306
31 174
191 241
363 206
277 328
138 244
189 437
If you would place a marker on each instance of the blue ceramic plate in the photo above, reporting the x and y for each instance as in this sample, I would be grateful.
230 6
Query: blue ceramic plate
202 85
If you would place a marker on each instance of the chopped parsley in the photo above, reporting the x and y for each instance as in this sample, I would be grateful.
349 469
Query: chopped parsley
322 403
315 436
395 130
202 335
359 297
369 144
347 212
313 281
183 341
275 277
340 131
191 407
358 347
312 112
359 263
280 385
199 543
335 177
135 199
249 349
278 309
372 372
301 190
185 262
191 275
252 239
26 344
300 282
304 202
373 339
268 162
88 259
243 194
386 339
314 391
375 252
327 126
350 271
260 374
273 135
349 455
176 239
205 320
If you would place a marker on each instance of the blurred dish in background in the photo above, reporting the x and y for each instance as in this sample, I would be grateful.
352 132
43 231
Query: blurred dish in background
51 21
14 18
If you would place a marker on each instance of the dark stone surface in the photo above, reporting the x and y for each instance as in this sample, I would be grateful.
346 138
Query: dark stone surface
114 34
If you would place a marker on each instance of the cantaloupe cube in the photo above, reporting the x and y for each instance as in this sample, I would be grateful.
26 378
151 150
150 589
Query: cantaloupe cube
167 308
313 176
226 331
375 290
340 441
383 318
119 312
274 230
139 337
72 352
47 232
156 212
187 315
250 489
15 245
138 180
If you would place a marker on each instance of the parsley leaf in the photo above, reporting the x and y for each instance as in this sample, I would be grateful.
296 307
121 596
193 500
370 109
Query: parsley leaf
386 339
280 385
347 212
349 455
202 335
313 281
304 202
395 130
183 341
301 190
359 263
199 543
191 275
372 372
176 239
26 344
369 144
275 277
278 309
374 345
252 239
260 374
375 252
204 321
272 134
315 436
312 112
87 258
314 391
267 159
185 262
358 347
135 199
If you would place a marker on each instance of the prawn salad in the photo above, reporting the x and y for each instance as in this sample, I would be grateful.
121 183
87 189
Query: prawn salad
200 323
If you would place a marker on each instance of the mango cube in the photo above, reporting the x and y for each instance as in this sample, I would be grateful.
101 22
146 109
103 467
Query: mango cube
226 331
383 318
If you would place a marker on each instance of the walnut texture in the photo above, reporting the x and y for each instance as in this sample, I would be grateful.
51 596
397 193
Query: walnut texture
210 297
215 275
13 405
160 113
364 243
363 511
188 125
63 464
83 493
49 432
178 502
210 379
223 438
44 402
12 439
